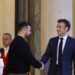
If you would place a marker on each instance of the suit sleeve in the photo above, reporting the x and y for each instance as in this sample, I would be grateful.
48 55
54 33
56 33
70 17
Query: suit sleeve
74 60
47 54
74 65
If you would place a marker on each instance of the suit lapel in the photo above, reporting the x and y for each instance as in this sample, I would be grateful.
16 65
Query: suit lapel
67 44
56 43
55 48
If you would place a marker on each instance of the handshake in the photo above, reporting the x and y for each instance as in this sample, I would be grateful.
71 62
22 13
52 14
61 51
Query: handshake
42 67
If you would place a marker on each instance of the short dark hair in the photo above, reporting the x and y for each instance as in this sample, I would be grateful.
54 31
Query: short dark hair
67 23
21 25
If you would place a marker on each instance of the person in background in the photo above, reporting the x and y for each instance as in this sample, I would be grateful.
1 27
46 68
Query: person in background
1 65
60 51
6 40
20 57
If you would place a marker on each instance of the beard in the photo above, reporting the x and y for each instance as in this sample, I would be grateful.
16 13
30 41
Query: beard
26 37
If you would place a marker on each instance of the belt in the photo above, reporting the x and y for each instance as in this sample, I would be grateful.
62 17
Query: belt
57 65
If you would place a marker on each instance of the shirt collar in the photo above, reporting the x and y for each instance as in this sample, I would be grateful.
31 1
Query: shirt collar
64 37
6 48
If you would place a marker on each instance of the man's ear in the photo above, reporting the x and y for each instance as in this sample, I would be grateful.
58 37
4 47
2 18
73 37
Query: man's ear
24 30
67 28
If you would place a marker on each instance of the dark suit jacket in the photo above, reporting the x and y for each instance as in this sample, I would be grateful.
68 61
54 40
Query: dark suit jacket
20 57
67 57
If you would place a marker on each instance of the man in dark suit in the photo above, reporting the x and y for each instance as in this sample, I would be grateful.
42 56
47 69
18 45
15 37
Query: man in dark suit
20 57
60 51
6 40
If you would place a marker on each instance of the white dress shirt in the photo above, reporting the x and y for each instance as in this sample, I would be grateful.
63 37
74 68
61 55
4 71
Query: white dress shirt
6 50
64 41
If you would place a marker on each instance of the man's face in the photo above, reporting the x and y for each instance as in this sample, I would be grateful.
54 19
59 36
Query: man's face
6 40
61 29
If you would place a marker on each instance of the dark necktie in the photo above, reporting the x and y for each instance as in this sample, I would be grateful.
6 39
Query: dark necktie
60 53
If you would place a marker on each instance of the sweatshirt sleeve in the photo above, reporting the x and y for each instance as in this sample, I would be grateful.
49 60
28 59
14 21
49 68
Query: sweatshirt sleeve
28 57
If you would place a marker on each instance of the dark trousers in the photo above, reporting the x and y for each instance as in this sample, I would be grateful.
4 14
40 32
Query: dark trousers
58 70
